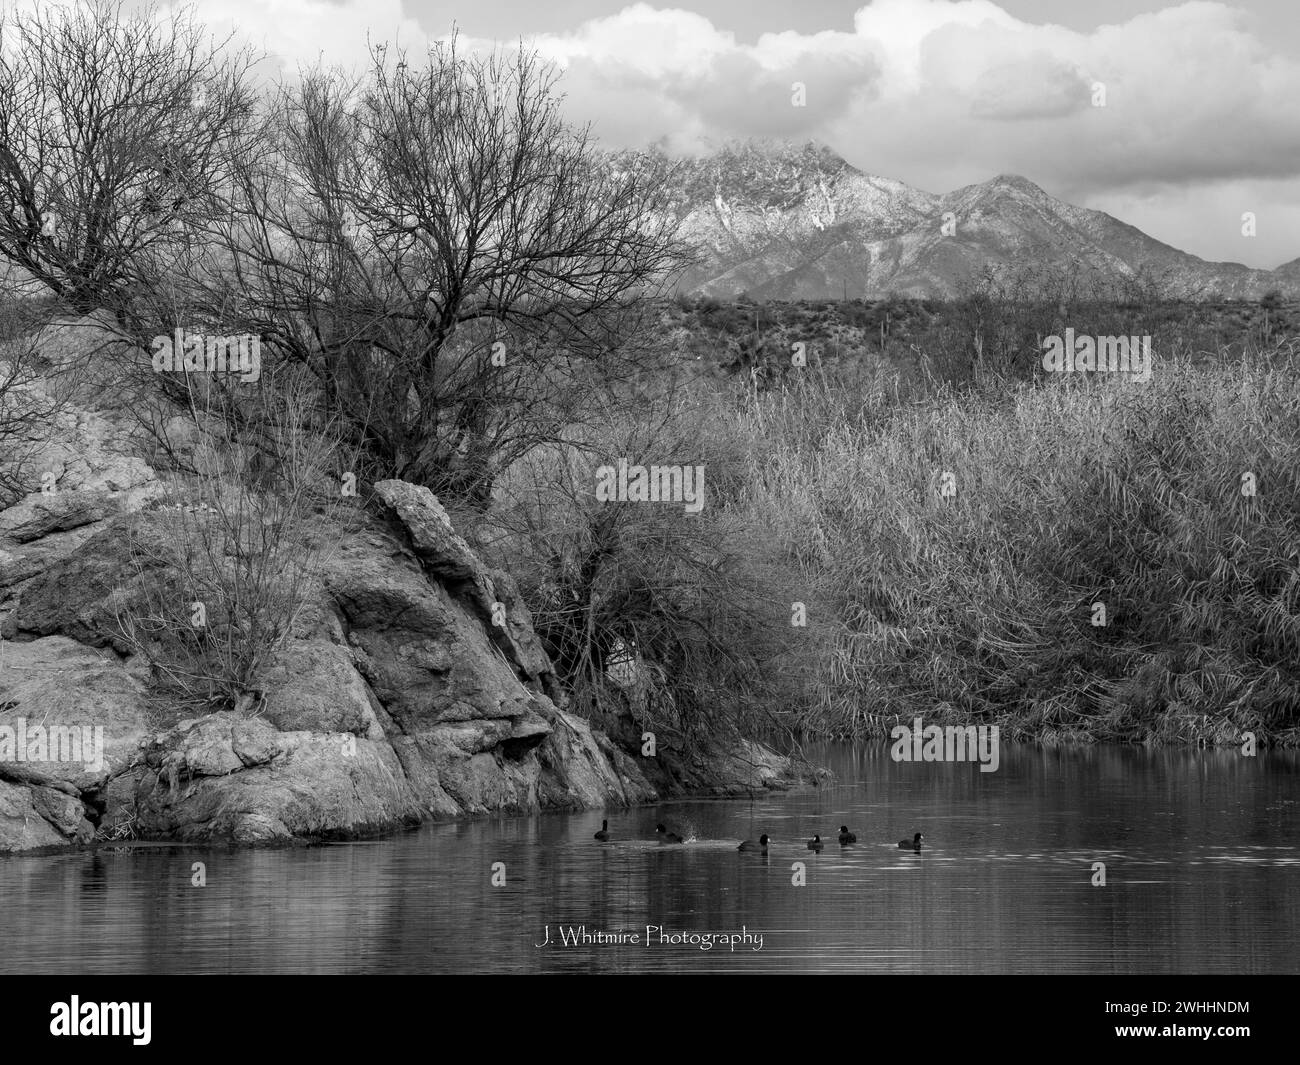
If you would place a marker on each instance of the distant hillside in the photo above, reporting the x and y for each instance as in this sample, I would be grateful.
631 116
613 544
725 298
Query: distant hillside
782 221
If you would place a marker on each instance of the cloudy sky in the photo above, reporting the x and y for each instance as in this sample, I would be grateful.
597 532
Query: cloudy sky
1200 121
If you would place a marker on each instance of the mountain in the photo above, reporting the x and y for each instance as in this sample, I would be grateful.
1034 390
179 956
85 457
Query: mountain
782 221
1289 271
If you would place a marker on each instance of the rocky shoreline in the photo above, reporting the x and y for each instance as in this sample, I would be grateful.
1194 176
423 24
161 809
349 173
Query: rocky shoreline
403 695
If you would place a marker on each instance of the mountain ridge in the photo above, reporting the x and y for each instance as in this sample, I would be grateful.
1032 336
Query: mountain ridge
780 220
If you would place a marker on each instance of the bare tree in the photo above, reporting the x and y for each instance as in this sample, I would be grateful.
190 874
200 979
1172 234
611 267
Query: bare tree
30 399
443 251
116 131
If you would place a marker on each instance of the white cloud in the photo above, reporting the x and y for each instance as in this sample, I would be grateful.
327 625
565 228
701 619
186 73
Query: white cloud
904 30
643 42
946 91
300 33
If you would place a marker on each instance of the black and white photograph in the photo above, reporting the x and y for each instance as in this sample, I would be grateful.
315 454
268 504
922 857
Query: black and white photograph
670 488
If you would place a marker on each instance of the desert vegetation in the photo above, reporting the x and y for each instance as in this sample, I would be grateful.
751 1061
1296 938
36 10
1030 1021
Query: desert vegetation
452 286
227 558
1172 506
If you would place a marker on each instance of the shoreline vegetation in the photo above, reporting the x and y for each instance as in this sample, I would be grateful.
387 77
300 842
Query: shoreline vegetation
1117 561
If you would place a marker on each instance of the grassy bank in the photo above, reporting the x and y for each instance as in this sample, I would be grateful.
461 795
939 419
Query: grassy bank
1070 500
1112 560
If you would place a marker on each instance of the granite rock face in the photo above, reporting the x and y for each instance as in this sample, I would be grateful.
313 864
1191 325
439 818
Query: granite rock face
397 700
413 685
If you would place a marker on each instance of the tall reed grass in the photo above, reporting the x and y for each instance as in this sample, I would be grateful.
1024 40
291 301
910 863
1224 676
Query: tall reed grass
1072 492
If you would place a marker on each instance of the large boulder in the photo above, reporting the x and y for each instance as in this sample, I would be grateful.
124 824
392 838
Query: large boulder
34 817
490 594
314 686
411 686
98 701
448 648
228 778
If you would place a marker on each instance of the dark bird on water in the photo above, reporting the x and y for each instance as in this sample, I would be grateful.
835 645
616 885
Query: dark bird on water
603 834
750 845
913 844
846 837
815 844
665 836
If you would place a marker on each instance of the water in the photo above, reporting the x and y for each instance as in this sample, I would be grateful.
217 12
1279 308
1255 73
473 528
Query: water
1202 855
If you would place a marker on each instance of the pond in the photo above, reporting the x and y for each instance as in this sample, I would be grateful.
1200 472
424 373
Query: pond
1201 854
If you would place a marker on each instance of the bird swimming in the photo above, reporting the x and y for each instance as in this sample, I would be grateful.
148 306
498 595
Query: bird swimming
846 837
750 845
913 844
815 844
603 834
665 836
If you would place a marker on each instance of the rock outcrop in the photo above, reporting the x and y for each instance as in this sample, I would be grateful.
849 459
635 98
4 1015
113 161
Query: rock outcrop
413 686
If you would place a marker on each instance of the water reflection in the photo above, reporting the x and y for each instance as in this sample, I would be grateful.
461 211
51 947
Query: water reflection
1201 851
